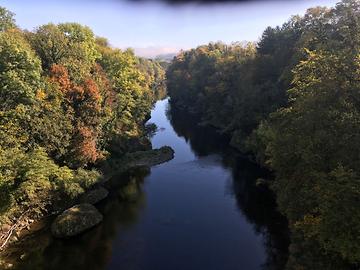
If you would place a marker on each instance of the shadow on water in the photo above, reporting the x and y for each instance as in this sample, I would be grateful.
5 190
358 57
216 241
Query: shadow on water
93 249
256 202
175 216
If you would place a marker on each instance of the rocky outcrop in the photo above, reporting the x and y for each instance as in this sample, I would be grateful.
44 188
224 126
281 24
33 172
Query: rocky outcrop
146 158
84 216
75 220
94 196
150 158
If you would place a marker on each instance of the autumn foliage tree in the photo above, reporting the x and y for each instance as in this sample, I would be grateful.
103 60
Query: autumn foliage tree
33 130
66 98
83 105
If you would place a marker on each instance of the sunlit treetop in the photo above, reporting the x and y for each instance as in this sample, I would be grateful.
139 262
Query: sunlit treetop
7 20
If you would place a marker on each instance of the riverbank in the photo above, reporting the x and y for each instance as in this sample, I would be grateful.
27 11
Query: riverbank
11 233
203 202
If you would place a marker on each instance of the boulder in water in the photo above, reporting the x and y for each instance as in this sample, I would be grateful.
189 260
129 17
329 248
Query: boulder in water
75 220
150 158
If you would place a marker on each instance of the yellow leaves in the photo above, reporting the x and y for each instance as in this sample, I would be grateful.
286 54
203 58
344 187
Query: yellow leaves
40 95
357 63
309 225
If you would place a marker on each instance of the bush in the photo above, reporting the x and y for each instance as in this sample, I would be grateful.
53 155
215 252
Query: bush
31 181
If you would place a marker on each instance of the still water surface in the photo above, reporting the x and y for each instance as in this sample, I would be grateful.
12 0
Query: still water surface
201 210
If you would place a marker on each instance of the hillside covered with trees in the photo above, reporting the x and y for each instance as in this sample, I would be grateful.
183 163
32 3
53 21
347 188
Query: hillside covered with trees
293 101
69 103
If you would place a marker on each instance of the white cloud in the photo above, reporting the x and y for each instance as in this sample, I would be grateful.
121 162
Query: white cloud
152 51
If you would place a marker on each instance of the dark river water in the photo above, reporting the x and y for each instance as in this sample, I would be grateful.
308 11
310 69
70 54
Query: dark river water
201 210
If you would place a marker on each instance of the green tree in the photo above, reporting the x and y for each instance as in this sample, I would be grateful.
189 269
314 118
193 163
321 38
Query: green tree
69 44
132 96
20 71
7 20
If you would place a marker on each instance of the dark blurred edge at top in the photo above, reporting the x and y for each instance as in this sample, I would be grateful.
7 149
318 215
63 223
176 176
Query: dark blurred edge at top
179 2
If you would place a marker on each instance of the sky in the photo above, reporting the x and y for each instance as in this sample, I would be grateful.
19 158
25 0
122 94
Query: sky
155 27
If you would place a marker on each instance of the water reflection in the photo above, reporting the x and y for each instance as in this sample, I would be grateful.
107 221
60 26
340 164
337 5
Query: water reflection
93 249
257 202
201 210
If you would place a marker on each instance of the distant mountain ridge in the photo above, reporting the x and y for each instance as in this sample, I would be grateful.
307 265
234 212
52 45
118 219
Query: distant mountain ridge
166 57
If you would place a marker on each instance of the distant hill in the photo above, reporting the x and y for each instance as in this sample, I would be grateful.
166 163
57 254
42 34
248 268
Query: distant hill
166 57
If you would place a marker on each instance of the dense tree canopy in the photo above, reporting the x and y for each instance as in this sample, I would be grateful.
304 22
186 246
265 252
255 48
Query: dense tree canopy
294 102
154 76
68 101
69 44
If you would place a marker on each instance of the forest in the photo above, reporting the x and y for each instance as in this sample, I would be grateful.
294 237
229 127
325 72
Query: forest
291 101
74 108
70 103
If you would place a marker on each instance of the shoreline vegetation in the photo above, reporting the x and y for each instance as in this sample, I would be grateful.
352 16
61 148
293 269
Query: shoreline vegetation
291 101
72 107
74 111
95 193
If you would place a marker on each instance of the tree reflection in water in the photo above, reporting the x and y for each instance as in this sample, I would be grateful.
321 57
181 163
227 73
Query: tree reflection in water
134 225
90 250
256 202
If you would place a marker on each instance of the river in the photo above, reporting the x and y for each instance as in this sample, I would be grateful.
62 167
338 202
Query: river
201 210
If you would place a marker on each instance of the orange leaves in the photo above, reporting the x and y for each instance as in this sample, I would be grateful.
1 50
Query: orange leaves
60 75
91 95
105 89
85 142
84 101
87 92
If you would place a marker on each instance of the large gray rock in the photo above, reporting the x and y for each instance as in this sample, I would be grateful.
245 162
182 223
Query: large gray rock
75 220
94 196
151 157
